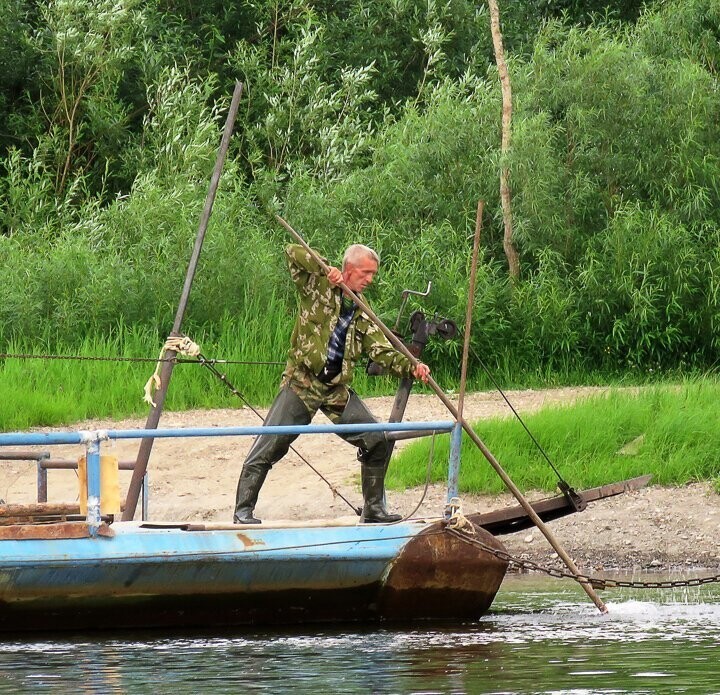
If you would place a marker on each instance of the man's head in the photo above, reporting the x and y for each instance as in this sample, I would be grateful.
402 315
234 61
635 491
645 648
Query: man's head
360 264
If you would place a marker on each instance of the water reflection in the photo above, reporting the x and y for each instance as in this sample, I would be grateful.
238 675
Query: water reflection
543 636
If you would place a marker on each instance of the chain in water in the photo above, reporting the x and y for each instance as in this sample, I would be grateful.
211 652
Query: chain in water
595 582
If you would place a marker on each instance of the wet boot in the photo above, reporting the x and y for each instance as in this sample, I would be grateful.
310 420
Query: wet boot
248 489
373 453
373 489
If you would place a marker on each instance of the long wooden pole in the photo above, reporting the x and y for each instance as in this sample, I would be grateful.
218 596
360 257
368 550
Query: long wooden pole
470 305
167 367
398 345
456 436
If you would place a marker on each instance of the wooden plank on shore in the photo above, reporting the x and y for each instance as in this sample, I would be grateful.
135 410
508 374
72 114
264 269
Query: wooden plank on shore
513 519
39 509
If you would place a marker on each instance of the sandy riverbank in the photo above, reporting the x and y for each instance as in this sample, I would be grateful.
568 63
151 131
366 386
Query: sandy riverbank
195 479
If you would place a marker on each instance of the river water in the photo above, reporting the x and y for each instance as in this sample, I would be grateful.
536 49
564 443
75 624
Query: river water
543 635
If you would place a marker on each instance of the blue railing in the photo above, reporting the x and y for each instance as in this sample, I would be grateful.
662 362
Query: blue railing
92 440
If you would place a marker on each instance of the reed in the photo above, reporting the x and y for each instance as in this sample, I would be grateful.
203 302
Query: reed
47 392
667 430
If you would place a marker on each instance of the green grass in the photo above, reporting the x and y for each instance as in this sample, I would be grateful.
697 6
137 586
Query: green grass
671 431
42 392
52 392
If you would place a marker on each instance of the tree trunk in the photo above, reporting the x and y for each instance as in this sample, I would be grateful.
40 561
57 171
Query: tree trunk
508 242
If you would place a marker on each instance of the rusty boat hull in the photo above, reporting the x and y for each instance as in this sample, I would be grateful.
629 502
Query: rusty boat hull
134 574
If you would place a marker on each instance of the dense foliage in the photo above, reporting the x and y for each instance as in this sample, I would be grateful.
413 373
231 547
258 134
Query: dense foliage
372 121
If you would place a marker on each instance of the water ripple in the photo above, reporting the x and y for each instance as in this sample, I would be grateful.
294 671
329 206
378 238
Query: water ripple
541 637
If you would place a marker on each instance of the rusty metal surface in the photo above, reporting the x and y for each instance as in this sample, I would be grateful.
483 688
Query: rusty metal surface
512 519
66 464
129 582
249 542
216 610
62 530
23 455
450 579
612 489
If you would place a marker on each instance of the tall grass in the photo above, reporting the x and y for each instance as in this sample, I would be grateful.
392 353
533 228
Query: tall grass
43 392
670 431
40 391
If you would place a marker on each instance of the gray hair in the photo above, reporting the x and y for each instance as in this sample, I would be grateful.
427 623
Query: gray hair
356 252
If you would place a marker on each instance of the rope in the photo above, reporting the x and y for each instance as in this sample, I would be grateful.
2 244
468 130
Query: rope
87 358
458 521
563 484
181 345
428 474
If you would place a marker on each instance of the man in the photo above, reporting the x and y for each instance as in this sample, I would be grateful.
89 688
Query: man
330 335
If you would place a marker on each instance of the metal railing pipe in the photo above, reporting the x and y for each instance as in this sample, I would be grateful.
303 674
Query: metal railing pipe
47 438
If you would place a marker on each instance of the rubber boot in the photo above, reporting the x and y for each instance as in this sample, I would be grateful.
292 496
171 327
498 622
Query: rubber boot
373 453
251 479
373 489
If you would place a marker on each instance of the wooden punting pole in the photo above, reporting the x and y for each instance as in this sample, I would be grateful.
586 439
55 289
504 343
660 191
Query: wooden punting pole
398 345
167 367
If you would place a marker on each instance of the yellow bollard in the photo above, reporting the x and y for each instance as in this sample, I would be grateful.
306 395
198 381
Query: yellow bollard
109 485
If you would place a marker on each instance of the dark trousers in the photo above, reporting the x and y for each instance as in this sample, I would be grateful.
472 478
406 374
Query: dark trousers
289 409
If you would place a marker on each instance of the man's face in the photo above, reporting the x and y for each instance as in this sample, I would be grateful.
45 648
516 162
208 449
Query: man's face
359 275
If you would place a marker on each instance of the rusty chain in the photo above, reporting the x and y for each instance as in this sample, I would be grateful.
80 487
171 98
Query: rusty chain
595 582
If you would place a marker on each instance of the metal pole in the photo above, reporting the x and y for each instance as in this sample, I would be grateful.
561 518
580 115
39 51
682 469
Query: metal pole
145 496
398 345
456 439
167 367
42 480
92 474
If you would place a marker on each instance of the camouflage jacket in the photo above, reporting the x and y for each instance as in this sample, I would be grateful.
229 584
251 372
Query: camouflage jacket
319 308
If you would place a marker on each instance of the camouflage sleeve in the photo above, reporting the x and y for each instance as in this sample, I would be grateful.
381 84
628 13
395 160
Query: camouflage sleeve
378 348
302 265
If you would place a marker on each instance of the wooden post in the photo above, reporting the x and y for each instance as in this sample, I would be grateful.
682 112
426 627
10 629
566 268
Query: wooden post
470 304
456 438
508 242
167 366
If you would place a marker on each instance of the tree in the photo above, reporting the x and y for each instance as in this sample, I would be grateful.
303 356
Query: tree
85 47
508 242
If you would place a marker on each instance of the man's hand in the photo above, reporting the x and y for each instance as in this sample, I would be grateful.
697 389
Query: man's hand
335 276
422 372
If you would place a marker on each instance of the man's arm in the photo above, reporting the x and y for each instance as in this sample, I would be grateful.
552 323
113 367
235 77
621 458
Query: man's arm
302 265
378 348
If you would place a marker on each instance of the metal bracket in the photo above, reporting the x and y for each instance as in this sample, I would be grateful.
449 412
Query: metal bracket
575 500
405 295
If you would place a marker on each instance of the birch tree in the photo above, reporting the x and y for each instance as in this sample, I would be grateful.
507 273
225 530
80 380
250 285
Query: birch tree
505 197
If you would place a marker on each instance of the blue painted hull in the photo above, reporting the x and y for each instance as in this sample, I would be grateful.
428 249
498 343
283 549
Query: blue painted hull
144 576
